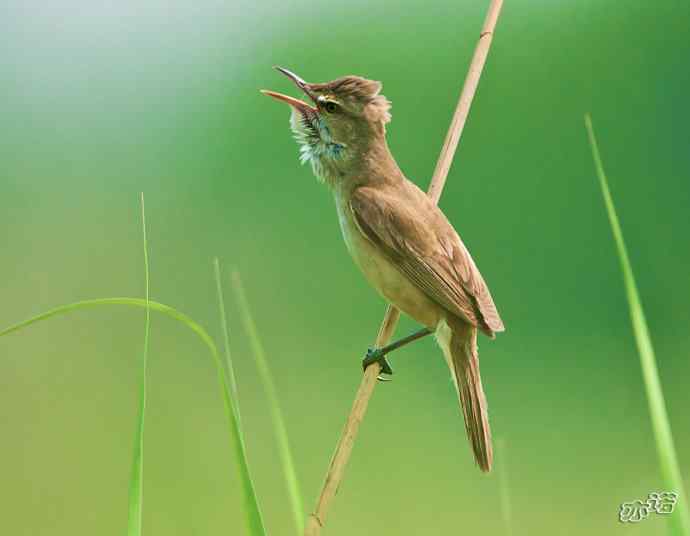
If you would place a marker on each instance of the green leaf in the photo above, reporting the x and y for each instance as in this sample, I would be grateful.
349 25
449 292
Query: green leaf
668 461
253 521
284 451
250 495
226 337
504 486
136 483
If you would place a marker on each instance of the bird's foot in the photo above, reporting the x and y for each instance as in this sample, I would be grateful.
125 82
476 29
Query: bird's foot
378 355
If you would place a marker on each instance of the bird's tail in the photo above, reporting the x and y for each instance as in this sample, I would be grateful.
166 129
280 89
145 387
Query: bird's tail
458 340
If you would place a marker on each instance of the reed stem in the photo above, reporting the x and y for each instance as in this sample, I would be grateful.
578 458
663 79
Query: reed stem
343 450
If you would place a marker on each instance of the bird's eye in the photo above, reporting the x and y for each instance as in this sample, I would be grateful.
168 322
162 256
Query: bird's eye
330 107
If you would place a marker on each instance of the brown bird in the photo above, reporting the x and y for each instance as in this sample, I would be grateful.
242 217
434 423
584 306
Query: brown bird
401 241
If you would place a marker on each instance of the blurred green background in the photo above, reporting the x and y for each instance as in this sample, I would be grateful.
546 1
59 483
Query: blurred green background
101 101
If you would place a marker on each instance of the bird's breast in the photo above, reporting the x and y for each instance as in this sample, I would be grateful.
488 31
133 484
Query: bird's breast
383 274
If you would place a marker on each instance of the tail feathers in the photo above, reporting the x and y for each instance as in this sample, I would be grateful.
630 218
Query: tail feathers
459 343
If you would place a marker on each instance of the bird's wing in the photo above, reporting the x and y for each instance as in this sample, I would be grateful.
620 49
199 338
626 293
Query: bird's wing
426 248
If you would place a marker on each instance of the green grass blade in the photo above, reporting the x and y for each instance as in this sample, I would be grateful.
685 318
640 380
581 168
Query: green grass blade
668 462
284 451
136 483
226 337
233 384
504 485
253 520
132 302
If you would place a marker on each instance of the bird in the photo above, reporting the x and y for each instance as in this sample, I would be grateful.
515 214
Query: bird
401 241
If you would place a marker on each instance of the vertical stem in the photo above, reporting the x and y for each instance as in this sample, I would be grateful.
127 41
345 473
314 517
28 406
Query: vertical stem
136 484
666 450
343 450
504 485
279 426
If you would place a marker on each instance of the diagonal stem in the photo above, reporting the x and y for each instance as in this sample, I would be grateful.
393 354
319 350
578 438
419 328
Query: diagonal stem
343 450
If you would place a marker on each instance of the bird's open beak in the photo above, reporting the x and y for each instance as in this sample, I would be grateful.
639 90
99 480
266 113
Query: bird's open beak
295 103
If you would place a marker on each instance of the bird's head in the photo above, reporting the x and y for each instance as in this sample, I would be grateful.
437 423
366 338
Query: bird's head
339 123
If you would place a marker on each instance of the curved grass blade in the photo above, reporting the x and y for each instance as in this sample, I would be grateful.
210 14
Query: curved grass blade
668 461
136 483
287 461
253 520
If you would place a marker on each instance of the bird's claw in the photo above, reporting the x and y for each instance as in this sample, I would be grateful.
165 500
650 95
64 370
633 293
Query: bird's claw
375 355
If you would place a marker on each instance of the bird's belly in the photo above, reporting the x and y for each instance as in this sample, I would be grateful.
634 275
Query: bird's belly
385 277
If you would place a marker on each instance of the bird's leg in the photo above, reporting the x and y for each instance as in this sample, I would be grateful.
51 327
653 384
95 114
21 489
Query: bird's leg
378 355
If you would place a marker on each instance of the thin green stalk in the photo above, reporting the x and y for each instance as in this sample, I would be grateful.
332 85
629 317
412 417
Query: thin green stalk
279 427
253 521
504 484
231 374
668 461
226 337
136 483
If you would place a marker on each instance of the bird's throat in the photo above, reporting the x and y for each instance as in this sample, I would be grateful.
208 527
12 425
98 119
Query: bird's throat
316 146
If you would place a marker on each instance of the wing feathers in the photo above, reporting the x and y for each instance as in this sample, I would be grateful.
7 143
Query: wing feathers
417 237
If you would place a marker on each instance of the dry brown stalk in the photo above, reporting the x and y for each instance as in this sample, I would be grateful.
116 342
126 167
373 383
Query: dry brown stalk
343 450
